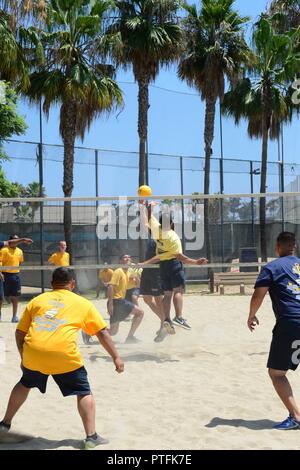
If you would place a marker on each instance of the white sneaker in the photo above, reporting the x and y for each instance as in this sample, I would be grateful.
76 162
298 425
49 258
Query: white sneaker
169 327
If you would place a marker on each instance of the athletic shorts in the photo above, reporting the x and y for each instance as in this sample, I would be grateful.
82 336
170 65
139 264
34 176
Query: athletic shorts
121 310
151 283
12 285
70 383
131 292
172 274
285 351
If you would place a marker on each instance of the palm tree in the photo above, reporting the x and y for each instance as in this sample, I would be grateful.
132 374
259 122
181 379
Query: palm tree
263 97
146 35
73 76
215 50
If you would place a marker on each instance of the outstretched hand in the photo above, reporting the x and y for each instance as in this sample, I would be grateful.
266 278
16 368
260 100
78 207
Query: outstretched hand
202 261
27 241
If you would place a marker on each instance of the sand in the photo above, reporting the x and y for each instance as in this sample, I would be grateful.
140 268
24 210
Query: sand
207 388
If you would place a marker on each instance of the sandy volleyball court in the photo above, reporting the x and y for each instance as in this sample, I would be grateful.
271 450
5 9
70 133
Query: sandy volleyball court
206 388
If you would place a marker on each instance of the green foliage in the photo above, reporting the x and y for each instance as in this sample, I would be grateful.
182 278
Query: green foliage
11 123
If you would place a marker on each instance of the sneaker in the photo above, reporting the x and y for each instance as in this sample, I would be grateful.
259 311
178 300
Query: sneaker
169 327
132 340
91 442
179 321
86 338
4 427
160 335
288 423
15 319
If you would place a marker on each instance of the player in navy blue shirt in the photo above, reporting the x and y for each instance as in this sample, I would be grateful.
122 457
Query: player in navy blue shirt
281 278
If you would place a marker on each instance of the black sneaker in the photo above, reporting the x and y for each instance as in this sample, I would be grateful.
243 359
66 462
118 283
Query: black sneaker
91 442
179 321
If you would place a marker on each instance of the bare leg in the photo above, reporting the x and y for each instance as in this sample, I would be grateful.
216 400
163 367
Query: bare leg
155 303
87 411
178 301
135 300
136 321
284 391
17 398
14 301
114 328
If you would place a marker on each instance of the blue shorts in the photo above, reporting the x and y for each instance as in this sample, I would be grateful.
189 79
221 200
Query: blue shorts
131 292
12 285
121 310
172 274
70 383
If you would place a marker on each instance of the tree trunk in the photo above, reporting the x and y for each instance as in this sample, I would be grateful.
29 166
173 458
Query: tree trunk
68 131
143 100
210 112
263 180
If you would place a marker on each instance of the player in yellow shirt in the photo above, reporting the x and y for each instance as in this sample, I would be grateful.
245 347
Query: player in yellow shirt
60 257
46 337
118 307
11 243
104 278
12 256
171 259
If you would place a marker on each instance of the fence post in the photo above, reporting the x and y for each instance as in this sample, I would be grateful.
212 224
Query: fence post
41 184
182 201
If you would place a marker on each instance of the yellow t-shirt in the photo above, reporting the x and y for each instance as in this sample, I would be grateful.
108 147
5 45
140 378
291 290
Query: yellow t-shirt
168 243
60 259
105 275
133 273
11 257
52 321
119 281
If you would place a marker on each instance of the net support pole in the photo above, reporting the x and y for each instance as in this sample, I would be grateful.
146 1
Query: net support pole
97 202
41 184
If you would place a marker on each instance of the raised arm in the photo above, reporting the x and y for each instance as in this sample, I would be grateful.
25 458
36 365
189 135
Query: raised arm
186 260
256 301
16 241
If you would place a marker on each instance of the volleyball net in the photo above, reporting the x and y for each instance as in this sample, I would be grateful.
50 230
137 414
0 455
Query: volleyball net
102 229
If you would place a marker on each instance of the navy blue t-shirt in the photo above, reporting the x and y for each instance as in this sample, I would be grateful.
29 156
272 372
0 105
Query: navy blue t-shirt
282 276
1 245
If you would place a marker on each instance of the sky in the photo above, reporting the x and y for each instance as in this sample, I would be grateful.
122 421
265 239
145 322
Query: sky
176 125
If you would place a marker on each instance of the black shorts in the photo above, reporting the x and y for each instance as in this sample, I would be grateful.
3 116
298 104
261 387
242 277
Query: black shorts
121 310
131 292
151 283
172 274
285 351
70 383
12 285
